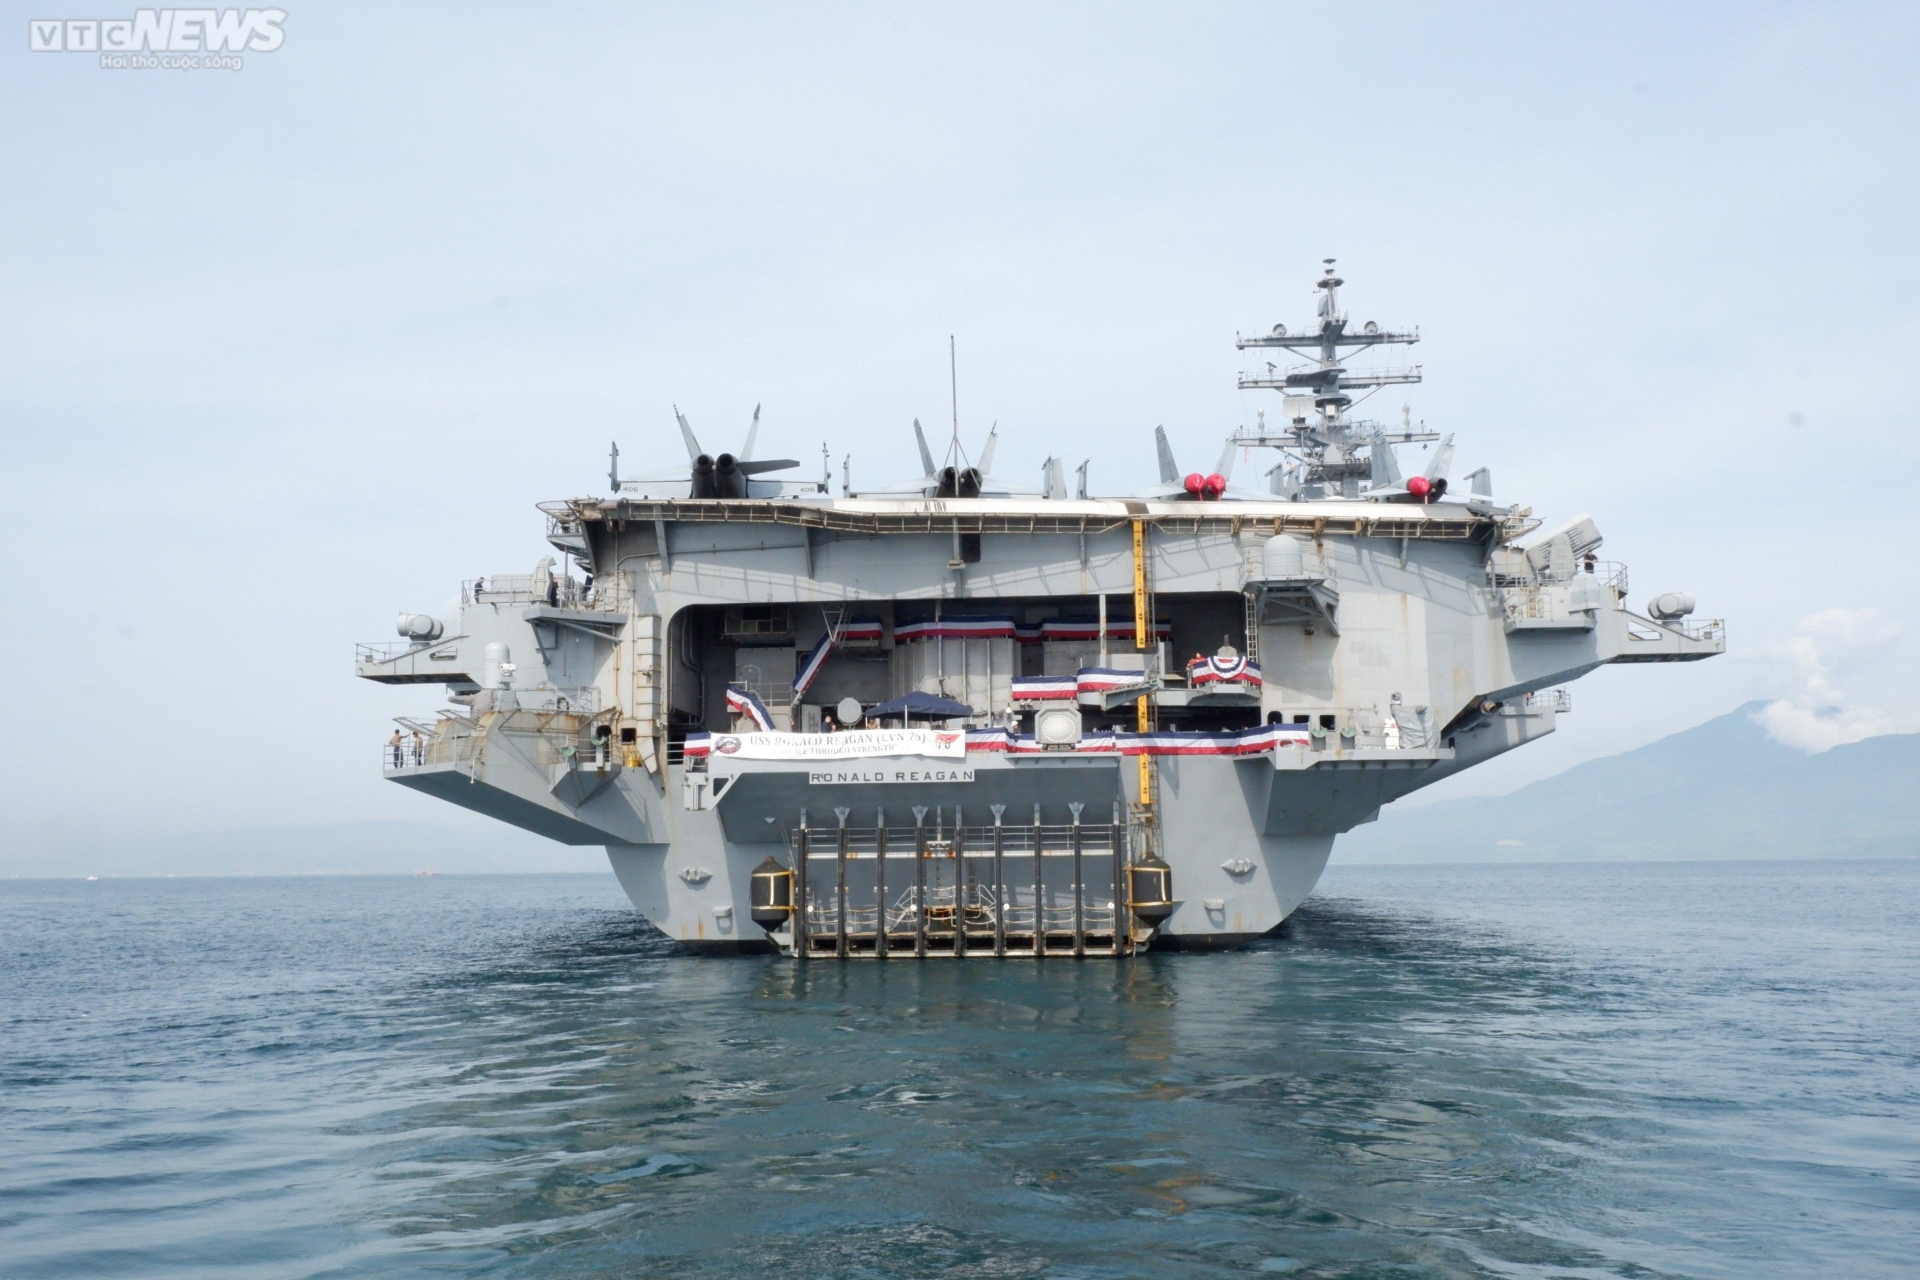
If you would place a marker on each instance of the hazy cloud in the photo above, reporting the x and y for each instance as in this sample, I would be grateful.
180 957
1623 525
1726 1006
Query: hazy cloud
1819 714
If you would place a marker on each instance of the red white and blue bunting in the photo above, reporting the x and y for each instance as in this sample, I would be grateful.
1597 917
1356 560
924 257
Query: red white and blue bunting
1243 742
811 667
1240 742
1089 629
957 629
1060 629
744 702
1107 679
1045 688
1094 680
1208 671
856 631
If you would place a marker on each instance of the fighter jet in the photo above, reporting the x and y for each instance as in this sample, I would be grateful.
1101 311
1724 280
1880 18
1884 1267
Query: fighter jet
954 477
726 476
1195 486
1429 486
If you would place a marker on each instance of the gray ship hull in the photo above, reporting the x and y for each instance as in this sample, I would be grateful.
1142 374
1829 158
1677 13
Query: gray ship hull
1356 635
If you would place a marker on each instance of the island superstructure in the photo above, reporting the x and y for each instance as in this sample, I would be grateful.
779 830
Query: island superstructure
958 718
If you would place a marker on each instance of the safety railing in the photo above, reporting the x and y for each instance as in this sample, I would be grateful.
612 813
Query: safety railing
1612 574
385 651
1364 727
455 739
543 737
408 753
1556 700
1558 601
557 590
1702 629
775 693
579 702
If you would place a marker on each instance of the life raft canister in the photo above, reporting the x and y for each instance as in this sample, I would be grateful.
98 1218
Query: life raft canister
1150 889
771 895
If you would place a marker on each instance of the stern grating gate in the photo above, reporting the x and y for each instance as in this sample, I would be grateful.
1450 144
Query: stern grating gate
930 889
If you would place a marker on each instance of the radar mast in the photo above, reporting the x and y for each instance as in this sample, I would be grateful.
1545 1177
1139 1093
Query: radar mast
1328 453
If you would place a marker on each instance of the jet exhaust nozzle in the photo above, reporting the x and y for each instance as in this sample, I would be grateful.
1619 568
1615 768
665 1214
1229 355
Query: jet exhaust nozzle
958 482
703 481
728 482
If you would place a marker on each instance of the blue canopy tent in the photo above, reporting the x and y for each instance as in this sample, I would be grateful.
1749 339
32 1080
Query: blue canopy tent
925 705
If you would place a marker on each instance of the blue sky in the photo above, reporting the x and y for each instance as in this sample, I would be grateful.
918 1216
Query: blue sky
288 349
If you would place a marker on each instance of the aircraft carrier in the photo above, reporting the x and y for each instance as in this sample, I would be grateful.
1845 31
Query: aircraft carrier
962 718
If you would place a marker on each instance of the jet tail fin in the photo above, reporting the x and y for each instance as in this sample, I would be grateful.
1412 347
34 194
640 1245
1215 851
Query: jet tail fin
686 433
1442 459
753 433
1386 467
1224 468
1169 470
926 455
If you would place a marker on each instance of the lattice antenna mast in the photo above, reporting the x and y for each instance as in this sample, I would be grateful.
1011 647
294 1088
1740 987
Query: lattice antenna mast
1317 431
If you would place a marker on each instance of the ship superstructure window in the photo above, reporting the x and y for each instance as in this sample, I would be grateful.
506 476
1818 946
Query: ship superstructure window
1328 722
756 621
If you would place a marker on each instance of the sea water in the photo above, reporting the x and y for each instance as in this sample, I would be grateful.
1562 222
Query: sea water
1512 1071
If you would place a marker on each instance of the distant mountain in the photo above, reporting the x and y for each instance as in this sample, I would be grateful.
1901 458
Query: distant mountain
345 848
1723 789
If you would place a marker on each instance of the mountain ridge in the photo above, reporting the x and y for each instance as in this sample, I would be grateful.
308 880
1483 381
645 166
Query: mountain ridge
1720 790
